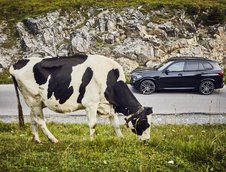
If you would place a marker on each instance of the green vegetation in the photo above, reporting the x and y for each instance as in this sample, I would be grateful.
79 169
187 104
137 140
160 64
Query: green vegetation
20 9
5 78
171 148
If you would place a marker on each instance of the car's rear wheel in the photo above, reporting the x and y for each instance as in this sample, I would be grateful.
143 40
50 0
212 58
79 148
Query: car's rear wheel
147 87
206 87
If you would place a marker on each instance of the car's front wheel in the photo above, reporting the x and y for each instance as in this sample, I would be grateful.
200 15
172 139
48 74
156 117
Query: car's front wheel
206 87
147 87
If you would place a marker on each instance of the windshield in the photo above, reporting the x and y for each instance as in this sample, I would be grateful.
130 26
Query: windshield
163 65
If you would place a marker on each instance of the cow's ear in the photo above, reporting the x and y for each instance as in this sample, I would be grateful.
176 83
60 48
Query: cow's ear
149 110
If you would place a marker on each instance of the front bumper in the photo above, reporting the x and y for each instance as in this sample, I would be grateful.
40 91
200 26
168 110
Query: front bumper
134 82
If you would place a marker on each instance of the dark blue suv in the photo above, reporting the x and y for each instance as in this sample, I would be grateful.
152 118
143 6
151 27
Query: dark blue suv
197 73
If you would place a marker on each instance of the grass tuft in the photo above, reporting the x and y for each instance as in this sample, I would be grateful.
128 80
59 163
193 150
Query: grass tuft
5 78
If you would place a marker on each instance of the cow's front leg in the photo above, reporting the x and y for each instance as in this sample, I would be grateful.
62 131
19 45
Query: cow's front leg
34 128
115 123
39 119
92 117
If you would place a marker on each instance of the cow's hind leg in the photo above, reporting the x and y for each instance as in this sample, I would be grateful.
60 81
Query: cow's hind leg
115 123
37 118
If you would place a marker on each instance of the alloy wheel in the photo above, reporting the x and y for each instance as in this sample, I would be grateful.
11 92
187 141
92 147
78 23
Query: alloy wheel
147 87
206 87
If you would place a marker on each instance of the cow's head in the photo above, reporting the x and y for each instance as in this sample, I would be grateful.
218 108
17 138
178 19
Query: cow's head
140 123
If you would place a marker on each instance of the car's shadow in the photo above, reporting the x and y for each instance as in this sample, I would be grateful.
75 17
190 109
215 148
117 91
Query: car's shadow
181 91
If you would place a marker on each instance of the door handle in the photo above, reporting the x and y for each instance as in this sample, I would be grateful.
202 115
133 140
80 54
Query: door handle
179 74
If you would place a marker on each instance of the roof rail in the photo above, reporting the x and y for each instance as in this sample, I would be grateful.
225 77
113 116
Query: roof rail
188 58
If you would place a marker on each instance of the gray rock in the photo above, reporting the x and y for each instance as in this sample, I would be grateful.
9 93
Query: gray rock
190 25
3 38
127 64
81 41
7 55
169 28
108 38
135 49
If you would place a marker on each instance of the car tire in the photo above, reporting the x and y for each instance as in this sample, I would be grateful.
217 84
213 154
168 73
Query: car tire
206 87
147 87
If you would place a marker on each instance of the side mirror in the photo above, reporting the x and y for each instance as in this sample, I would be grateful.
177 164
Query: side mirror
167 71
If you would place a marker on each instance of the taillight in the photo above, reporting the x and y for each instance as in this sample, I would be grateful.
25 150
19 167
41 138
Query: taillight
221 73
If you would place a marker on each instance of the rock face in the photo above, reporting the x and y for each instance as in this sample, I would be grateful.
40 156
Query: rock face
131 36
6 54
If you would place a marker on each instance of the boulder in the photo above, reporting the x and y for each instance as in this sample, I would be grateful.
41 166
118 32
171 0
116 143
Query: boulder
135 49
81 40
127 64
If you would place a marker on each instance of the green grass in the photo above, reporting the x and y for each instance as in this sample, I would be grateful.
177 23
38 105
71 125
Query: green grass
19 9
5 78
171 148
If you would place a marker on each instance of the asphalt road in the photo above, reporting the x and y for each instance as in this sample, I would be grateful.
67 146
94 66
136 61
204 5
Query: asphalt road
185 101
170 102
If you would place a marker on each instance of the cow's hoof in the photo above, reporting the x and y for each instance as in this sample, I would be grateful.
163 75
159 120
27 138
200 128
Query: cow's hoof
37 142
36 139
54 141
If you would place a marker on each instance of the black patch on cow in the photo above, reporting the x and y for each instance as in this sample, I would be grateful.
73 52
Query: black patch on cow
122 98
112 78
59 69
20 64
86 78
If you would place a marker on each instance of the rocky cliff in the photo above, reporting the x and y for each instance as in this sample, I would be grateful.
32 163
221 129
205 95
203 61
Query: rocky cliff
131 36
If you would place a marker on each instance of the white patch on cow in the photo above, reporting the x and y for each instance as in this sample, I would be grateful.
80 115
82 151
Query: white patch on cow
130 124
146 134
115 123
25 77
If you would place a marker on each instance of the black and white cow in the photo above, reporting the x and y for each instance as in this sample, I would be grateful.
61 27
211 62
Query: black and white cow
65 84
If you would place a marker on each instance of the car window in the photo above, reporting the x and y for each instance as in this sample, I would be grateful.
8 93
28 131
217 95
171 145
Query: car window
164 65
207 65
191 66
201 67
176 67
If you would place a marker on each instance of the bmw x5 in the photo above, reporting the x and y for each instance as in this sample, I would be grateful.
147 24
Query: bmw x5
201 74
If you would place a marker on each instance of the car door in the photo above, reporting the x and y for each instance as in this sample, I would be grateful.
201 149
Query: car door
192 73
172 76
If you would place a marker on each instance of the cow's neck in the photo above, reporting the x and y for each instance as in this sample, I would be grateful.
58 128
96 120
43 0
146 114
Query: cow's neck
124 101
133 106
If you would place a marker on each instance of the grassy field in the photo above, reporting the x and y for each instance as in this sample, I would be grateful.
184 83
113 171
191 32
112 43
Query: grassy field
171 148
19 9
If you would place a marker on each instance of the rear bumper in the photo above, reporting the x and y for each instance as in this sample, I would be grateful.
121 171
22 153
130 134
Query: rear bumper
220 85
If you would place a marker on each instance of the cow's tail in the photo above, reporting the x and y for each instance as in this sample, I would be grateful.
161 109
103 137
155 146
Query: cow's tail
20 111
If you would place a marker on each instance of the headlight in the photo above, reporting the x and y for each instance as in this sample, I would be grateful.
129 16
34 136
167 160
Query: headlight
136 77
